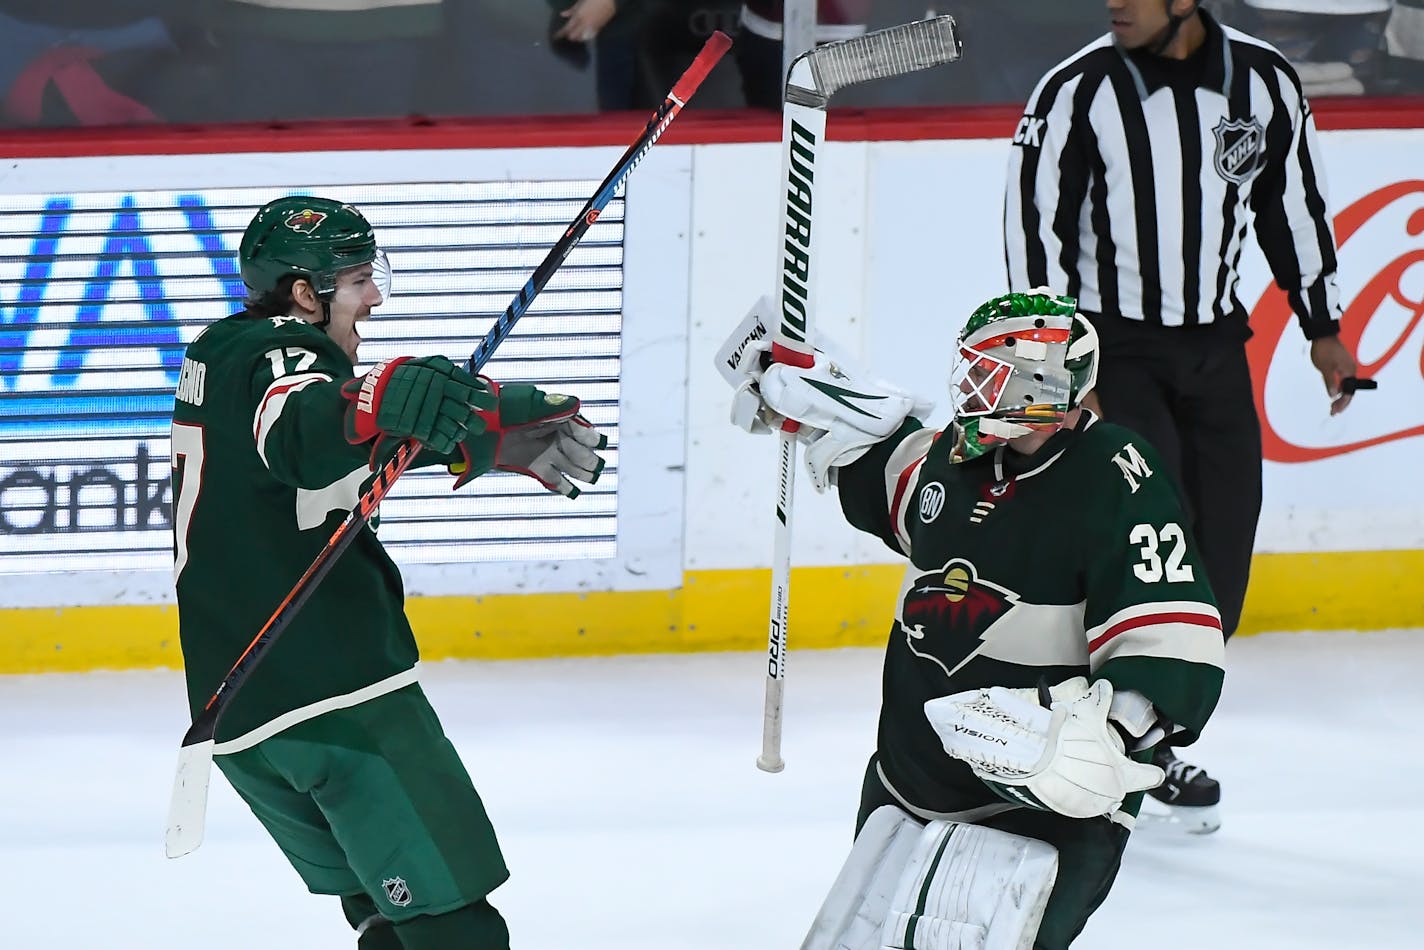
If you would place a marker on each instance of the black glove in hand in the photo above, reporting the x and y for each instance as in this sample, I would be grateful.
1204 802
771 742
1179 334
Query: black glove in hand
537 434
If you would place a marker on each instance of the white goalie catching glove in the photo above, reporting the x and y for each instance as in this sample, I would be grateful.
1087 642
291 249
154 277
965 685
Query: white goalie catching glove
1065 758
841 410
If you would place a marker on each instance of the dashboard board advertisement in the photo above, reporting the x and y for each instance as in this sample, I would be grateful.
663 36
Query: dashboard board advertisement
100 291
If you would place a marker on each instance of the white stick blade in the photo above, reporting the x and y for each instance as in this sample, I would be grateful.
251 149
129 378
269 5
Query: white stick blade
894 51
188 808
756 325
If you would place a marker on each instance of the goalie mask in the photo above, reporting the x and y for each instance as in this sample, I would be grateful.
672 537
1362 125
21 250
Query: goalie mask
1023 361
312 238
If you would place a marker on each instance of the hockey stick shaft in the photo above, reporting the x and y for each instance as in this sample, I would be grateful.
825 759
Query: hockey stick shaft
811 81
201 733
801 133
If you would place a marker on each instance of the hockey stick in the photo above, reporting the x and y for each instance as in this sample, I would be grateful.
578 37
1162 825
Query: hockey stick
814 77
190 784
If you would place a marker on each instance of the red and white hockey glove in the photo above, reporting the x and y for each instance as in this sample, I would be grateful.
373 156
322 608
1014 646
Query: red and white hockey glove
534 433
429 399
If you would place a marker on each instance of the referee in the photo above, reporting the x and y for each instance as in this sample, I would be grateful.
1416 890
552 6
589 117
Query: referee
1135 174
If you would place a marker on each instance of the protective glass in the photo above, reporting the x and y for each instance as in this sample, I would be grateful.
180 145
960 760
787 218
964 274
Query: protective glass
381 274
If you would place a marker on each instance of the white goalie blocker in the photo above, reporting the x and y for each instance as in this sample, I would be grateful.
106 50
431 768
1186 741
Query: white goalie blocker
941 886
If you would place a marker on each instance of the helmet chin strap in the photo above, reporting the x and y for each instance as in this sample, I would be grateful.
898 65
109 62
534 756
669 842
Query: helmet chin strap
1174 24
325 302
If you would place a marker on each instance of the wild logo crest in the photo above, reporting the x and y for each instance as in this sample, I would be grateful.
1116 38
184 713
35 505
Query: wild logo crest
946 614
305 221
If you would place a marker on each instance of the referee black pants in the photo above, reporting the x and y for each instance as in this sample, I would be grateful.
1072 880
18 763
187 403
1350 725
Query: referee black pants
1187 390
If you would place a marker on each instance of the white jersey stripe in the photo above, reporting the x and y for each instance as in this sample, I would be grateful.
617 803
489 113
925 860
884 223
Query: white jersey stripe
1169 252
1192 642
900 473
269 410
1153 608
1122 197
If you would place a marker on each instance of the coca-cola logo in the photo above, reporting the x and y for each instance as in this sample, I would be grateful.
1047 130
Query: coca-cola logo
1386 314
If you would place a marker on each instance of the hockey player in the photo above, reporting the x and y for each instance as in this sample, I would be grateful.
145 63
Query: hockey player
1053 627
331 742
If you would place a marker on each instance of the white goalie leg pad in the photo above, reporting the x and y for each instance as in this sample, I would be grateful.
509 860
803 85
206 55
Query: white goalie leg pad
945 886
854 911
971 888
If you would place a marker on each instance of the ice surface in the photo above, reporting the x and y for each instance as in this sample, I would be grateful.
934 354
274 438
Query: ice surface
633 817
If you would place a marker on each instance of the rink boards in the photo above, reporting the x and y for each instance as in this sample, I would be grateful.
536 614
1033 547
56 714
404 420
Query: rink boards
109 264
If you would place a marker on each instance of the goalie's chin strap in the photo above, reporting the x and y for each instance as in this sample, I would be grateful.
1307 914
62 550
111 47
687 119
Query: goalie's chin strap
1001 483
1003 478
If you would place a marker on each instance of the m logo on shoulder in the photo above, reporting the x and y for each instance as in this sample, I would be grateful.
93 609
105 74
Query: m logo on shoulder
1132 465
1239 144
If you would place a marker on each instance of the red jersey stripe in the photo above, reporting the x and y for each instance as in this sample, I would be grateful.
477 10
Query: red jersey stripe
1147 620
277 390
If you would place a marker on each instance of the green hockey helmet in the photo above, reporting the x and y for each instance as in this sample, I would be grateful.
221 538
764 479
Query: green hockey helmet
308 237
1023 361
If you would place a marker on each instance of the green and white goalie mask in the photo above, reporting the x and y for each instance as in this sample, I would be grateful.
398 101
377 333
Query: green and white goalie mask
312 238
1023 361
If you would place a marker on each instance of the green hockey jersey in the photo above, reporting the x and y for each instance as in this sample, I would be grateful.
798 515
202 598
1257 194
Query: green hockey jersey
1076 560
262 477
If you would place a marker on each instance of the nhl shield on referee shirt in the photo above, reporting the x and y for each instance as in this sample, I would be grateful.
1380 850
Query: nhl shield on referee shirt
1132 180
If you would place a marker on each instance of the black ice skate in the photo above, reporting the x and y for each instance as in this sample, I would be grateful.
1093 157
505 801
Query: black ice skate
1191 796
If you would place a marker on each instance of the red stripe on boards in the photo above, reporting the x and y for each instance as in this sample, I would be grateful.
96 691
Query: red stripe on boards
698 127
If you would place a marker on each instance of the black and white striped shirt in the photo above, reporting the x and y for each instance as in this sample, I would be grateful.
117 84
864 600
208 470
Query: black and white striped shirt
1133 179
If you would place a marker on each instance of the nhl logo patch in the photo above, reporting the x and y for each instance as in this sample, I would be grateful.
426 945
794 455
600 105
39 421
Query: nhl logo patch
1238 149
305 221
396 891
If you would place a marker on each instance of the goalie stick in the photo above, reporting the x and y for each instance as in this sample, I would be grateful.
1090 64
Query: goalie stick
190 783
814 77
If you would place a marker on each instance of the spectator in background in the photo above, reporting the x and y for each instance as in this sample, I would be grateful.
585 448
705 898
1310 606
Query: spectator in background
1334 45
313 59
1008 46
1404 42
610 28
758 46
75 63
670 34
